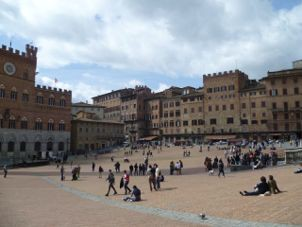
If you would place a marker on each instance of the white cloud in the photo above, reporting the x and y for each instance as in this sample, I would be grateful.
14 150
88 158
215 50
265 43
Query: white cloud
172 37
132 83
162 87
80 91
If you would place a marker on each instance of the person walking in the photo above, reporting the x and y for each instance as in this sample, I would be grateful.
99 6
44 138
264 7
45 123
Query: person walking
93 166
220 168
151 177
5 171
100 171
62 171
157 176
111 181
126 179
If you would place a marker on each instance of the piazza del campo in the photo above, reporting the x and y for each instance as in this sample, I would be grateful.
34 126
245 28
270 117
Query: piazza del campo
227 152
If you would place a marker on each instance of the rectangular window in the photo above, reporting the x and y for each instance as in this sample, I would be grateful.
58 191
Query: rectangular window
171 113
217 108
253 105
274 105
285 116
285 105
210 108
274 92
298 115
286 127
243 105
275 126
297 104
185 111
230 120
213 121
177 113
296 91
185 123
199 109
166 114
263 122
200 122
192 110
223 107
284 91
231 87
171 104
171 123
194 122
275 116
209 90
244 121
177 103
263 104
254 122
232 106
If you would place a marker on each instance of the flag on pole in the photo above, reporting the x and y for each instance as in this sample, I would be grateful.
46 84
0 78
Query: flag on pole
56 80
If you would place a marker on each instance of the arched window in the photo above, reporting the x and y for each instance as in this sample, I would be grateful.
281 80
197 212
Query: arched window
50 125
24 123
49 146
51 100
62 101
38 146
39 98
11 146
61 125
38 124
12 122
61 146
23 146
2 91
25 96
14 93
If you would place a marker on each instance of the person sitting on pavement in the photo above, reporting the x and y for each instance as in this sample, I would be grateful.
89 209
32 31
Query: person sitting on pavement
273 185
260 188
135 195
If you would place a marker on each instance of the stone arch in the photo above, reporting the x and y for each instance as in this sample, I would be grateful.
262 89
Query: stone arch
38 138
11 137
23 138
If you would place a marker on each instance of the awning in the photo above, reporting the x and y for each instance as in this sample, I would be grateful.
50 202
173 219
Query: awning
220 137
148 138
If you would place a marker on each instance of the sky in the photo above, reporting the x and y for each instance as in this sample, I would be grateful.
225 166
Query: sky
96 46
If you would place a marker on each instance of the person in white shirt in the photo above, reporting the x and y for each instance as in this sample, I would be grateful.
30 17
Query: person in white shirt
157 176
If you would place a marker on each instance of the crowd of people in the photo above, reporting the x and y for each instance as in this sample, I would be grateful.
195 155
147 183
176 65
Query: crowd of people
255 157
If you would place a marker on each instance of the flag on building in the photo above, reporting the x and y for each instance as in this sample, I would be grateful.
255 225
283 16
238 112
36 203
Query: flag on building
56 80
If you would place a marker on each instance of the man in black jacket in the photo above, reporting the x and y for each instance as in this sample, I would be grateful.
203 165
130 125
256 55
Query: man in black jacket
111 181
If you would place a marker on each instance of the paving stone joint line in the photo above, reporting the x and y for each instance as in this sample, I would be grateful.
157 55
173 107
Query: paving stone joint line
170 214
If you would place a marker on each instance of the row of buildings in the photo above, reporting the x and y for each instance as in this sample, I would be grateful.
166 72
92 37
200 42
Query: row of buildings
228 106
38 121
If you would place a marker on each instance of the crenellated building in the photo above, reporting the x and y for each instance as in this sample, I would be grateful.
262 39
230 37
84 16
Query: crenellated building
228 106
34 119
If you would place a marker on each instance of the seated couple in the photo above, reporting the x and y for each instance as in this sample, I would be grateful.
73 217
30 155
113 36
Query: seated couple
135 195
263 187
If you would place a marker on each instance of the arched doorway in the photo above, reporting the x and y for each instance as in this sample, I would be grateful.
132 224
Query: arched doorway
38 150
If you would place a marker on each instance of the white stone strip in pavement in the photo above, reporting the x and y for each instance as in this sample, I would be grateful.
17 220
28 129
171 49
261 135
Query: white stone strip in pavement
170 214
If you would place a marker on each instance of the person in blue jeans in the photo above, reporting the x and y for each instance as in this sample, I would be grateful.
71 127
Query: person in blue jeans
135 195
260 188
